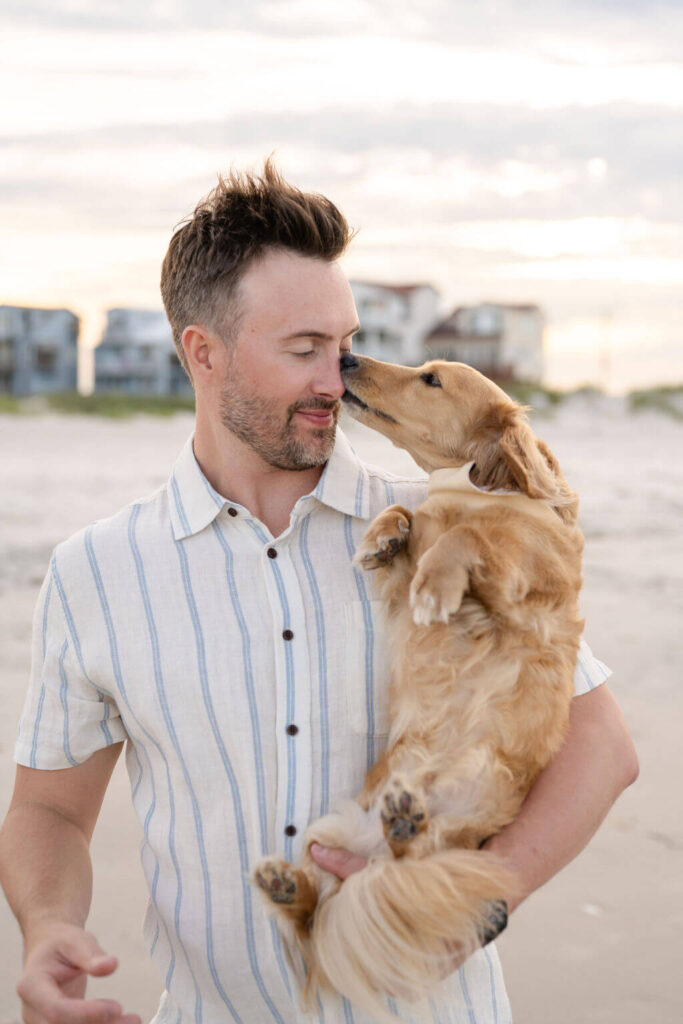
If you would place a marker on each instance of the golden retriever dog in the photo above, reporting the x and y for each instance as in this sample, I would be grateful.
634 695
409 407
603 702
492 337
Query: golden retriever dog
480 586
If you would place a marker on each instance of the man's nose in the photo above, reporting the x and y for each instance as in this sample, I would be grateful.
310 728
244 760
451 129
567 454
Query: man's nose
330 380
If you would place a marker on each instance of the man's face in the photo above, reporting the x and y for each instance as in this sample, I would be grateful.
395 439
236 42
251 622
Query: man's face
282 388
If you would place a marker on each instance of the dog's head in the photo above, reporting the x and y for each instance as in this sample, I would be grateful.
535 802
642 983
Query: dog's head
447 414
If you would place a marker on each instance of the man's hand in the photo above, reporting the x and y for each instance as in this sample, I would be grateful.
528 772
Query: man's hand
52 986
341 863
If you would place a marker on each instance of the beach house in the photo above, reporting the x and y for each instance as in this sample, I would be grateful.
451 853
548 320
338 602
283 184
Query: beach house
503 341
38 350
394 320
136 355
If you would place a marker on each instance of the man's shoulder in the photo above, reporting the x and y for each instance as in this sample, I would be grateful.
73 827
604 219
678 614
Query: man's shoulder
109 537
388 488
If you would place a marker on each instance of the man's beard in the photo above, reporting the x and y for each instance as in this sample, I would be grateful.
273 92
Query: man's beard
258 422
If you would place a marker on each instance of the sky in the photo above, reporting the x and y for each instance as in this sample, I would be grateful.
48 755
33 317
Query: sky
513 151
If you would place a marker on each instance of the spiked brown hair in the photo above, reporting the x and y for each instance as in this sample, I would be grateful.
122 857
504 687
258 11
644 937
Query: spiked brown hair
245 215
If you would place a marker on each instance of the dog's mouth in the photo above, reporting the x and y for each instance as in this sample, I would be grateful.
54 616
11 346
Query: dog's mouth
350 399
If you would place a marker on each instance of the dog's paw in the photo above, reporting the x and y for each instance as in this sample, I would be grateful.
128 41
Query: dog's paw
403 812
276 878
435 596
384 539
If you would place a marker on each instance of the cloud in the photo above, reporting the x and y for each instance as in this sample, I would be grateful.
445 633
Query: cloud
613 30
443 163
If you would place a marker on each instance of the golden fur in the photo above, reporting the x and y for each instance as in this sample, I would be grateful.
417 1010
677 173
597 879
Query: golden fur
481 598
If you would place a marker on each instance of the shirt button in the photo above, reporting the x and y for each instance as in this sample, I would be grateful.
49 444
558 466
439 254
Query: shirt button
232 511
292 730
290 830
271 552
287 635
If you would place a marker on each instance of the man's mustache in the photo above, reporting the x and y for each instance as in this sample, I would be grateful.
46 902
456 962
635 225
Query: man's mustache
314 403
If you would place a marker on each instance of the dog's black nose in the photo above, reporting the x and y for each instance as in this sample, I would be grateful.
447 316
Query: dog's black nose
348 362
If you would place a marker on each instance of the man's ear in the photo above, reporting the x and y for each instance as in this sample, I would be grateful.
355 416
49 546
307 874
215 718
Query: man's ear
199 347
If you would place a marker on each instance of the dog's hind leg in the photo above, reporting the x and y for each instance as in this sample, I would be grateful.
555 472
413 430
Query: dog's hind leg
403 810
288 888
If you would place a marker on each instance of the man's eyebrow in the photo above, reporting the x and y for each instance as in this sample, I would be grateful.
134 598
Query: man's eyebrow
319 334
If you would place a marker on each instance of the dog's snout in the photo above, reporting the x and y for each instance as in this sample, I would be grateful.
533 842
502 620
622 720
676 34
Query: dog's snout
348 362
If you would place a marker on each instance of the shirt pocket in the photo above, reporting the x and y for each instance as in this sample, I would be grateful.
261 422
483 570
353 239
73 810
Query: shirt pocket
367 667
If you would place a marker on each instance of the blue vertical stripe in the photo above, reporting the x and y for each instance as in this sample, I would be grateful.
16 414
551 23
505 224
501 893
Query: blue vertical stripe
322 669
239 816
369 647
291 692
259 769
65 705
492 982
77 648
462 975
159 683
41 699
118 676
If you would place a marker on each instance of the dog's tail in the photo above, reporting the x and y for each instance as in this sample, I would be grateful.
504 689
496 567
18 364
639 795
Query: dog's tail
399 927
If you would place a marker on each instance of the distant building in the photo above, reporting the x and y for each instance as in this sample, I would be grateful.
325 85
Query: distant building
38 350
394 320
503 341
137 356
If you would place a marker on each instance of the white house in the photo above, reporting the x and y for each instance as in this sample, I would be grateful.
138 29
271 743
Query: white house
137 356
38 350
500 340
394 320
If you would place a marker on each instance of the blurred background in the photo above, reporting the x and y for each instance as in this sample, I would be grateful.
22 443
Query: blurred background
513 170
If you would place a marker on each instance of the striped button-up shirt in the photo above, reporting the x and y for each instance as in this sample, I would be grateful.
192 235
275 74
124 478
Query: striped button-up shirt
248 675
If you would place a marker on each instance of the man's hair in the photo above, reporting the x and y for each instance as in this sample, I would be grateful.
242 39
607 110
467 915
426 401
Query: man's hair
243 217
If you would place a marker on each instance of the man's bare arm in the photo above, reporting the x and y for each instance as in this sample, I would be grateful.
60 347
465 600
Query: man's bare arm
572 795
565 806
46 873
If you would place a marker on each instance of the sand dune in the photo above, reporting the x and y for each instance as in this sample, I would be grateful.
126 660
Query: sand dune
601 944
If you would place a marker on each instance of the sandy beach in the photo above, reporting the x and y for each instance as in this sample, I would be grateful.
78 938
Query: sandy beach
601 943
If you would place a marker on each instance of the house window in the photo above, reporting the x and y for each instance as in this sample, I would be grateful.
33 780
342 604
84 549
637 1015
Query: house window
45 358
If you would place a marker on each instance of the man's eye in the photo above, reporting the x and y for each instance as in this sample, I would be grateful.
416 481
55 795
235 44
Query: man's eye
303 355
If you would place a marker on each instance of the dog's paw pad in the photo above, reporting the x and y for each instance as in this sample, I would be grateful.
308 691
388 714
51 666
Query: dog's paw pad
276 879
403 813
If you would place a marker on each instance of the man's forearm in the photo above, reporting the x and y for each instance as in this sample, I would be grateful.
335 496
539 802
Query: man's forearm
572 795
45 869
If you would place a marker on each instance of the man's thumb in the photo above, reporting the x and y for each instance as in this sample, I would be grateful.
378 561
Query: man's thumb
84 951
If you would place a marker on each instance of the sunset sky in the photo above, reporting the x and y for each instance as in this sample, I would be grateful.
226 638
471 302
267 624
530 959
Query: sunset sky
514 151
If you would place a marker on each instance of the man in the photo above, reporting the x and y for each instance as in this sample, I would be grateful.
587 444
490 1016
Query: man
219 629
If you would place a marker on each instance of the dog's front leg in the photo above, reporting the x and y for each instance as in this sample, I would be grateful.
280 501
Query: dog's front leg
443 575
386 537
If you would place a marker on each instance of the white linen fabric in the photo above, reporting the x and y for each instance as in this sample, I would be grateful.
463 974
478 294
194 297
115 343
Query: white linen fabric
248 676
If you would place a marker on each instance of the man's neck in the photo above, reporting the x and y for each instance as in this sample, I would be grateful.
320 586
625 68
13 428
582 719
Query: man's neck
237 473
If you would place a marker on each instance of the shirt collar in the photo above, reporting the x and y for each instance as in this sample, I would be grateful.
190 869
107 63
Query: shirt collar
194 504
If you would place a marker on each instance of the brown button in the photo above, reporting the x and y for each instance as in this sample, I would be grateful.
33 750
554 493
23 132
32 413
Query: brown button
290 830
288 635
292 730
271 552
232 511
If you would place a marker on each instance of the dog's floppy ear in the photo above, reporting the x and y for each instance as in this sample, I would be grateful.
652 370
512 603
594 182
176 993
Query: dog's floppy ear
535 469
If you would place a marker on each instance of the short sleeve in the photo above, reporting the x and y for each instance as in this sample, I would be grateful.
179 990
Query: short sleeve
65 718
589 672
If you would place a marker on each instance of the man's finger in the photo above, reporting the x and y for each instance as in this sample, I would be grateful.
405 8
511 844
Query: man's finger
341 863
41 992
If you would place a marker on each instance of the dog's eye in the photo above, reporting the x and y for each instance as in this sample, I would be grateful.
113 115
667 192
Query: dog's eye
431 380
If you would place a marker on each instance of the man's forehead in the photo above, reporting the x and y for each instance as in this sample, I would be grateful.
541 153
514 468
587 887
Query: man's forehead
292 295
